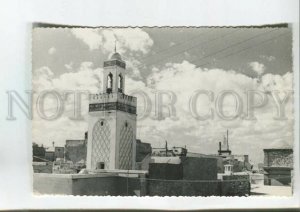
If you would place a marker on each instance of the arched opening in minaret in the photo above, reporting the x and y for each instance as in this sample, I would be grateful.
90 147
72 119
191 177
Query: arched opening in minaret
120 83
109 83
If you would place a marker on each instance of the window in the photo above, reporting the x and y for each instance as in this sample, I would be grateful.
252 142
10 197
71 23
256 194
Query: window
120 84
110 80
109 84
100 165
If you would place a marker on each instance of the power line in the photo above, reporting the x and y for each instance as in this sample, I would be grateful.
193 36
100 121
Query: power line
244 49
198 45
235 44
178 44
209 41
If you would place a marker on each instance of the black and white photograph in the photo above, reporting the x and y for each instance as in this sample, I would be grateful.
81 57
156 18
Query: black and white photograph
149 105
170 111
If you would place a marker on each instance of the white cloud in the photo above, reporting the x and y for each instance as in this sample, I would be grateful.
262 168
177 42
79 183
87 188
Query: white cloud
86 78
133 39
52 50
128 39
257 67
133 68
272 82
90 37
42 79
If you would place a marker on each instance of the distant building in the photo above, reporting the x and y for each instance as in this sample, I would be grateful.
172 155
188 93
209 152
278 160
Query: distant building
143 155
50 152
42 167
75 150
64 167
142 150
166 152
50 155
38 152
240 162
220 163
42 159
179 151
278 164
59 152
242 158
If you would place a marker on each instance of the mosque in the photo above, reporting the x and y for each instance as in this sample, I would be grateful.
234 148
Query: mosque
112 121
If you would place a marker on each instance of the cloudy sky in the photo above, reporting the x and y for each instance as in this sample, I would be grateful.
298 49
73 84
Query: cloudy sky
181 60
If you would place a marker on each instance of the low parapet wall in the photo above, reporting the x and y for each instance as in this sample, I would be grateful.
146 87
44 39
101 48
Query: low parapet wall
235 185
44 183
88 184
183 188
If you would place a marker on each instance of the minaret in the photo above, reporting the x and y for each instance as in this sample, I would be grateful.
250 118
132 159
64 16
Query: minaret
112 121
226 151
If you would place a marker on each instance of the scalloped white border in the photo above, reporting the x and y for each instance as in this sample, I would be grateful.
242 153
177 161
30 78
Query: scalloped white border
16 17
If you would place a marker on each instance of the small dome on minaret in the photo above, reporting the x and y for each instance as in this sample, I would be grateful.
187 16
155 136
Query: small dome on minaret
116 56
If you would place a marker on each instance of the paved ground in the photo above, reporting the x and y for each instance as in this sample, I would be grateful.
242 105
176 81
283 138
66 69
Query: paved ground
271 190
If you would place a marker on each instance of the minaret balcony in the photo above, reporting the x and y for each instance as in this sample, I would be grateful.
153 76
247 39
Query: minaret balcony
113 97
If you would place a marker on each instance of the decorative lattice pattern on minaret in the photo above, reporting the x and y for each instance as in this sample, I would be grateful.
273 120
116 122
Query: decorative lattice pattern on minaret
125 150
101 143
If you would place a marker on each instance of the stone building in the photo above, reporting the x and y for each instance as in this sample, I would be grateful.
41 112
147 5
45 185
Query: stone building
183 176
220 159
59 152
278 164
75 150
142 150
50 154
143 155
112 121
38 152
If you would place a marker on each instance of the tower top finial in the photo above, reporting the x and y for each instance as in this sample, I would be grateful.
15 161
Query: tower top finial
115 45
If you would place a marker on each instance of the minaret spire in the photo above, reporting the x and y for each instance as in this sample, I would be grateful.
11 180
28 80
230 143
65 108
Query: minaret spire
115 45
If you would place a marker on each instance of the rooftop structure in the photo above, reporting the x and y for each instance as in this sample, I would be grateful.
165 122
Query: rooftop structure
278 166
